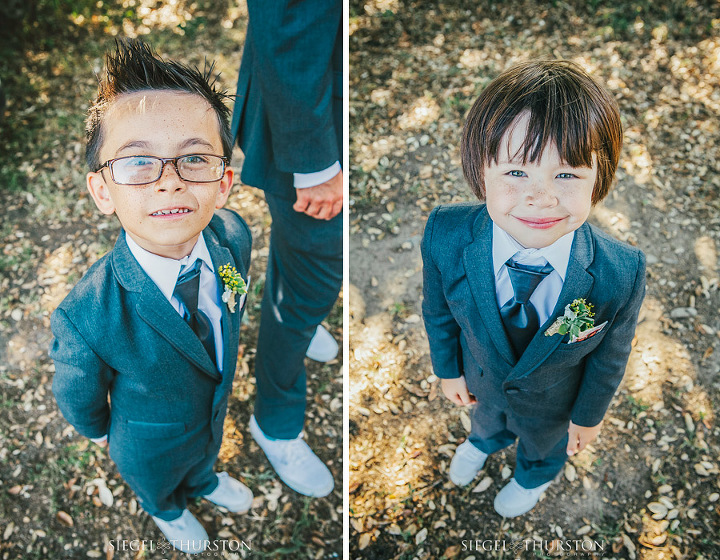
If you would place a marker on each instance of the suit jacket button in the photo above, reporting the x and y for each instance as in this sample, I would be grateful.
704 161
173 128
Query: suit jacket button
512 391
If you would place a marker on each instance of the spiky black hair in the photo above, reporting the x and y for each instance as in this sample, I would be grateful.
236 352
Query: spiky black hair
133 67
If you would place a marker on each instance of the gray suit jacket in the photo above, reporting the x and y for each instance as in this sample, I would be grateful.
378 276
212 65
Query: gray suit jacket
552 379
117 335
288 112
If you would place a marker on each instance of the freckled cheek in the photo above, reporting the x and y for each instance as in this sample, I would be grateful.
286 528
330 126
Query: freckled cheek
503 197
136 205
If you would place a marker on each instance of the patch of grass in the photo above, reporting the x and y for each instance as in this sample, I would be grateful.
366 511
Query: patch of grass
260 476
398 309
458 104
636 405
297 542
660 479
608 528
75 457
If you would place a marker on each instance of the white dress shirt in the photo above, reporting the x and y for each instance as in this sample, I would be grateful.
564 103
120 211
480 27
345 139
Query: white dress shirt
164 272
545 296
307 180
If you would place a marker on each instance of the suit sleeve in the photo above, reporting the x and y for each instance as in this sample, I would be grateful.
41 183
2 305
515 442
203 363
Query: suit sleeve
82 380
442 329
606 365
292 43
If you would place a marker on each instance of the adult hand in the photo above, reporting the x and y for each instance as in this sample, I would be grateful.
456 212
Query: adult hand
456 390
323 201
580 436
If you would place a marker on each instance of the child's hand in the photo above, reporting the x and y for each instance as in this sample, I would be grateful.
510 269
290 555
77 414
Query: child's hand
580 436
456 390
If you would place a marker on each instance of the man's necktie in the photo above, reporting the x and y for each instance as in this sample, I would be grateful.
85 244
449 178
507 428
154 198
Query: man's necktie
186 290
519 316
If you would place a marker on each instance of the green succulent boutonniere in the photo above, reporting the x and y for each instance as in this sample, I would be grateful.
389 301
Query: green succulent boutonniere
234 284
577 319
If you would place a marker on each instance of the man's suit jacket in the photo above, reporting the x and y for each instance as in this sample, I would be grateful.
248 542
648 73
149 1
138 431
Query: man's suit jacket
116 334
288 110
552 379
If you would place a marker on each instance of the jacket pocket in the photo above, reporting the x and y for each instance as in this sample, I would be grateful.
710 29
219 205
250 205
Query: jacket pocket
153 430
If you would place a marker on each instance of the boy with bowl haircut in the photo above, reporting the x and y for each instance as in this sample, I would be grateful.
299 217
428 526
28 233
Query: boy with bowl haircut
147 326
530 311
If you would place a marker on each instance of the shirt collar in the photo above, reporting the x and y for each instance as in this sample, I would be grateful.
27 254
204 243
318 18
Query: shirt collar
505 246
165 271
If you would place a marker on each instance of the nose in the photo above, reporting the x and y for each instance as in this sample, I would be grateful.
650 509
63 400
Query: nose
169 180
541 193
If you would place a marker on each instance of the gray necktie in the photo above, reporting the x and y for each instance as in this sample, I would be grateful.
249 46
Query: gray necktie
519 316
186 290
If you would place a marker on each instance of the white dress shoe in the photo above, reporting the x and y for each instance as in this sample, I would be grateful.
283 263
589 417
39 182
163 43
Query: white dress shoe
514 500
323 347
466 463
231 494
295 463
185 533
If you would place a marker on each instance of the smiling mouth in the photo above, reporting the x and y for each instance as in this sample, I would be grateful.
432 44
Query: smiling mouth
172 211
540 223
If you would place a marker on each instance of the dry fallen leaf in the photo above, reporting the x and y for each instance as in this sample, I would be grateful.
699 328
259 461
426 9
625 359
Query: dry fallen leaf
483 485
570 472
64 518
364 541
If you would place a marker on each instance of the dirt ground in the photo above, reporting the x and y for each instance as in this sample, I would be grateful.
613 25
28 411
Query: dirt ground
649 486
52 502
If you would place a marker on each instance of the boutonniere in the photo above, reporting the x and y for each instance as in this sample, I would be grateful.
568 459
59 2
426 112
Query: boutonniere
233 283
578 318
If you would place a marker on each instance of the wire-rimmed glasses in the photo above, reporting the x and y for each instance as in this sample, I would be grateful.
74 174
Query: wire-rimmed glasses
143 170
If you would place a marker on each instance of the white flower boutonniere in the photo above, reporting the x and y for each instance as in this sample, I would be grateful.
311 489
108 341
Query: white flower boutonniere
577 319
233 283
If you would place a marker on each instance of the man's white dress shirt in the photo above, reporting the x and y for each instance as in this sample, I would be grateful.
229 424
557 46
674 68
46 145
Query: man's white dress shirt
307 180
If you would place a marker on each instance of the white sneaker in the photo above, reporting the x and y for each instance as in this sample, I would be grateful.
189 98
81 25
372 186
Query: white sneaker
466 463
231 494
295 463
514 500
185 533
323 347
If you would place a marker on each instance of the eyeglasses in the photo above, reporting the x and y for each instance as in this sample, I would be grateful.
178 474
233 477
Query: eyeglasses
143 170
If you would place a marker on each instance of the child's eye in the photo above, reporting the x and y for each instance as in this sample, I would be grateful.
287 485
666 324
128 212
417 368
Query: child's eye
194 160
566 176
517 173
139 161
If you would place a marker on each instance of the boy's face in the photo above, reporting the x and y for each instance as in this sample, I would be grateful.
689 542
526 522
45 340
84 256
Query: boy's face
537 203
162 124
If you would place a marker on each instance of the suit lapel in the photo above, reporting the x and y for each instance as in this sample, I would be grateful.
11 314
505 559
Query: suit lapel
156 310
230 321
578 284
477 260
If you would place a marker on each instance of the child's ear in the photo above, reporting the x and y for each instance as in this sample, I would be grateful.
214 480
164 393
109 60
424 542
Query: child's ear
224 191
98 189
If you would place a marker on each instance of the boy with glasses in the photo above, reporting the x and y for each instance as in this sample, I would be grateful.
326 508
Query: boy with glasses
154 325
